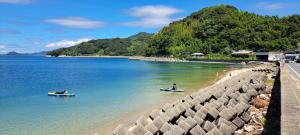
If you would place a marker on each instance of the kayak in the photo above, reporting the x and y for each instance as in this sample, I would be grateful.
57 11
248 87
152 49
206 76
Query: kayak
170 90
52 93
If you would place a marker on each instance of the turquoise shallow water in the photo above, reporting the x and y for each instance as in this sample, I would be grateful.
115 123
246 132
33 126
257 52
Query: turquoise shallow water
106 89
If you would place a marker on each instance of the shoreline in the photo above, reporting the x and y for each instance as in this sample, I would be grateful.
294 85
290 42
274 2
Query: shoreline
130 118
150 59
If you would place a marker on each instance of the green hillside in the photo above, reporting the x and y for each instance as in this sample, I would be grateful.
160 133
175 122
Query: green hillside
220 29
134 45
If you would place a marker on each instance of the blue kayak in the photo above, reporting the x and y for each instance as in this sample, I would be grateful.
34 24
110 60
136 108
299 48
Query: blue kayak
53 93
170 90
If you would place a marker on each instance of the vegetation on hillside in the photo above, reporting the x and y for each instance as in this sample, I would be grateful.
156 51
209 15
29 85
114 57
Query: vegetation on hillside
221 29
213 30
134 45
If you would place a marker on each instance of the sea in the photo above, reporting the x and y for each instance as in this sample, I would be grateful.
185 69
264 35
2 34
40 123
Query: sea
106 89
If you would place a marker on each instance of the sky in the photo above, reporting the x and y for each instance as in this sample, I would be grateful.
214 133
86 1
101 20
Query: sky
42 25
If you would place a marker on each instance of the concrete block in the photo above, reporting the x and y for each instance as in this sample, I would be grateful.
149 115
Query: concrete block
155 113
176 130
198 107
190 103
167 133
233 101
213 112
120 130
225 129
166 107
208 126
246 106
129 132
165 127
227 114
158 122
238 122
189 113
187 98
143 121
190 121
203 110
165 117
138 130
233 127
195 102
221 108
245 117
181 118
197 130
152 128
215 131
245 88
221 120
200 114
233 96
198 120
148 133
184 126
239 109
177 111
171 113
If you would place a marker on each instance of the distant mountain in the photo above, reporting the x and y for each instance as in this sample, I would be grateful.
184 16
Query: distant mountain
13 53
133 45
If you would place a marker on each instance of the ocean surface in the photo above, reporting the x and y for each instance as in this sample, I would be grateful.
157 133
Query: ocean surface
106 89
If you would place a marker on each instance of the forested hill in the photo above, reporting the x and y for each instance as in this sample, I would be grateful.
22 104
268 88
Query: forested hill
133 45
220 29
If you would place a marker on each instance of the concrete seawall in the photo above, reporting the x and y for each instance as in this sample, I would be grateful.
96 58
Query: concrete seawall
220 109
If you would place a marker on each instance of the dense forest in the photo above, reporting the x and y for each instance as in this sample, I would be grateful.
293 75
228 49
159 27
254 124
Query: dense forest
133 45
212 30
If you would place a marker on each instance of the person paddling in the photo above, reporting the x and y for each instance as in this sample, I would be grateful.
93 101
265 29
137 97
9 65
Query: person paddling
174 87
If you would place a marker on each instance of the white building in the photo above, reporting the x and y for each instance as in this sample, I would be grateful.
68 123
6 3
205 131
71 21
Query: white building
269 56
197 55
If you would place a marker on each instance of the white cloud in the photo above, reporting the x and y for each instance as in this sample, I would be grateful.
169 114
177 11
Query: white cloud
152 16
16 1
2 46
67 43
276 6
76 22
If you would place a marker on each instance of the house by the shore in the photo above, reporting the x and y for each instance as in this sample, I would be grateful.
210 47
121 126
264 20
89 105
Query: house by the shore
242 53
197 55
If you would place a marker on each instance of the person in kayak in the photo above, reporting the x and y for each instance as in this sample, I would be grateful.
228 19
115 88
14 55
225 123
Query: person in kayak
174 87
62 92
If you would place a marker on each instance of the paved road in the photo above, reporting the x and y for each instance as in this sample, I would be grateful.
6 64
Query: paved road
290 99
295 68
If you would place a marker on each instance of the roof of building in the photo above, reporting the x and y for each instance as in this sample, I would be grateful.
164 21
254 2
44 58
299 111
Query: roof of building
239 52
197 54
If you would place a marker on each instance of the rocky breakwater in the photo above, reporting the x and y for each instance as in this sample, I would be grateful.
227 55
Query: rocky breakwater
223 109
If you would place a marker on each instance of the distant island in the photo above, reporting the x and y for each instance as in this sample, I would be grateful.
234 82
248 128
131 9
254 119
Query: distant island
13 53
135 45
216 30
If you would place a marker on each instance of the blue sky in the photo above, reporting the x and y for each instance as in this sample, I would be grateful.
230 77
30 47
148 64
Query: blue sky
38 25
